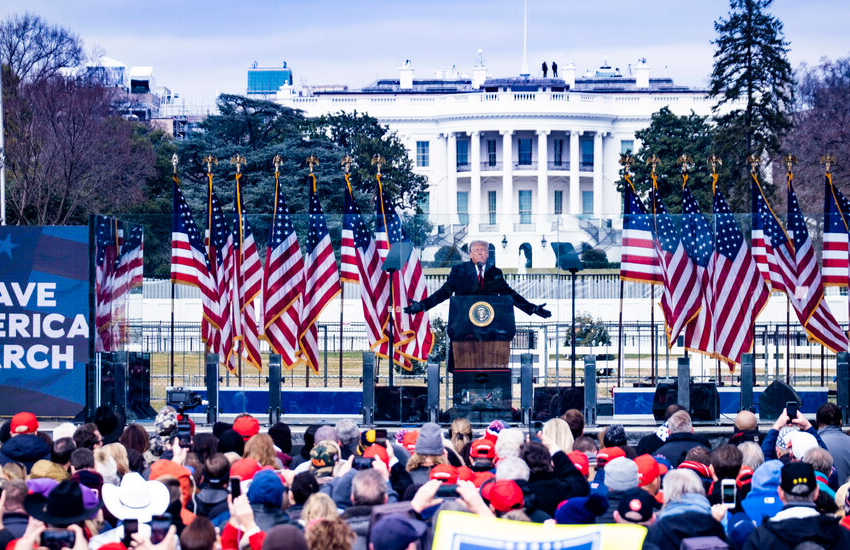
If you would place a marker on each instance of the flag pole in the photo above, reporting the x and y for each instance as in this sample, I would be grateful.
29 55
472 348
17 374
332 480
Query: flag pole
789 163
209 160
346 162
626 162
239 160
754 161
174 161
653 160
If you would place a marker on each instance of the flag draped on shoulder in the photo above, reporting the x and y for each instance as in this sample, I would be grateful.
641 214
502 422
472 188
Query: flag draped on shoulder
217 325
639 262
361 263
682 295
321 281
247 282
411 333
739 291
283 284
698 240
836 213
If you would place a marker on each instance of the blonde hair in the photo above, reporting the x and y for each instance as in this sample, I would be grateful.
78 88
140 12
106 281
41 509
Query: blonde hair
417 460
119 454
559 432
261 448
461 433
319 506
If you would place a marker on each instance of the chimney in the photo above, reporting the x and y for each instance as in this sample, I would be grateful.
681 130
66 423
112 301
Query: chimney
405 76
569 75
479 71
642 74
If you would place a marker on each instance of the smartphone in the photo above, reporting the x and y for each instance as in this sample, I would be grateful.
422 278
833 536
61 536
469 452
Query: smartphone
728 492
447 490
381 437
235 487
361 463
56 539
131 527
159 527
791 410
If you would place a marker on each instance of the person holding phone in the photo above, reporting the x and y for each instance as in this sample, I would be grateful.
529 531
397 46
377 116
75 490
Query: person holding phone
769 445
134 502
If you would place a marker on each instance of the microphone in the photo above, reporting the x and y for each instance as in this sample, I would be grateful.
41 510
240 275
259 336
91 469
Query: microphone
480 265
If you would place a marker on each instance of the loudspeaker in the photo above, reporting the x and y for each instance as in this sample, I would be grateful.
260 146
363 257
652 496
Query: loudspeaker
705 402
665 395
773 400
139 385
553 402
407 404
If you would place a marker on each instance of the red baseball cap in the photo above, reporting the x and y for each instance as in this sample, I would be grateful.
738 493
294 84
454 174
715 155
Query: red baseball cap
483 448
246 426
580 461
607 454
377 451
505 495
648 470
23 423
245 468
465 473
445 473
409 440
482 477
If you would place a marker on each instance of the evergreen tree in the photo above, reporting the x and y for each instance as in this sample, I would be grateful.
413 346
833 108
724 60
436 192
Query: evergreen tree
752 84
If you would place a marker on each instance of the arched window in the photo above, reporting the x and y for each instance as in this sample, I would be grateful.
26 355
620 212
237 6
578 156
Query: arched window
491 259
525 248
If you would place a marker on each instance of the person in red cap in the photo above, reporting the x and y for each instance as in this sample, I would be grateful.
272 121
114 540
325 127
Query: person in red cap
581 462
247 426
503 495
649 474
445 473
24 446
482 454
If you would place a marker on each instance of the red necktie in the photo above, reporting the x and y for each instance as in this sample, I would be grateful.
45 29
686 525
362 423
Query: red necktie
480 279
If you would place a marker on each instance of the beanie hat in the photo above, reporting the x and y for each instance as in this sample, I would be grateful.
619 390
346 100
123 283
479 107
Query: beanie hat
621 474
165 421
607 454
231 441
23 423
581 510
430 440
221 427
615 436
246 426
282 437
580 461
444 472
266 488
492 431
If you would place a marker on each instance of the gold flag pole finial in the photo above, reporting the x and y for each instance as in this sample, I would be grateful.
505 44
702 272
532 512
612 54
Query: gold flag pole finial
789 161
238 160
828 160
686 162
653 161
174 161
346 161
626 162
754 162
209 160
312 161
379 160
713 162
278 160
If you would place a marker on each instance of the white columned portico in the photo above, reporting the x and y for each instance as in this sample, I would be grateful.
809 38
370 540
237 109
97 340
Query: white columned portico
450 216
597 173
575 187
475 180
543 209
507 180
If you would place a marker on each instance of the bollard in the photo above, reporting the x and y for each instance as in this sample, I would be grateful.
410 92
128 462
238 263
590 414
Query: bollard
684 375
526 391
433 391
590 390
368 381
211 381
747 380
274 389
843 384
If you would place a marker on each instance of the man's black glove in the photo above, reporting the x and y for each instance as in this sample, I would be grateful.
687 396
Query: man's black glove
541 311
414 308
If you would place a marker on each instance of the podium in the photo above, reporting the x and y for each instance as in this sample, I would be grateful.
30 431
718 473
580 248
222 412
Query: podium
481 329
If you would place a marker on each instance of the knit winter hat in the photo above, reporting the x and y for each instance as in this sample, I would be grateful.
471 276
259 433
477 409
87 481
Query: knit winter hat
615 436
492 431
581 510
430 440
621 474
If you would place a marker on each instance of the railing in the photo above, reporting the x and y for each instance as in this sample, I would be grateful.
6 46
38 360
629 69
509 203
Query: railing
464 167
488 166
563 165
527 165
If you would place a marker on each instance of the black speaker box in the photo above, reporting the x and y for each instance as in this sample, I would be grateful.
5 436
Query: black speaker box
705 402
665 395
401 404
552 402
773 399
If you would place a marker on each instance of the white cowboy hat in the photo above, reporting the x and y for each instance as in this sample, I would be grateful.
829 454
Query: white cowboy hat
136 498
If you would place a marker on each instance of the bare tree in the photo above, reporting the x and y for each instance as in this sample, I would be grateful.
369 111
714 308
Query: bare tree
33 49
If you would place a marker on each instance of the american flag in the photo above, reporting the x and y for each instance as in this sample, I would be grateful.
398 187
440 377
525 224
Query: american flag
129 274
106 252
836 211
283 284
247 283
811 308
772 247
739 292
682 292
322 279
697 239
411 333
218 322
360 259
639 261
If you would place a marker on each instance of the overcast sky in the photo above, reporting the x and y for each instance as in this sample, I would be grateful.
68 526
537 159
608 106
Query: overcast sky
201 48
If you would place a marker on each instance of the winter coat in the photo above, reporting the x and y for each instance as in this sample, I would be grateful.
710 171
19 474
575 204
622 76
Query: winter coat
357 517
267 516
839 447
565 481
768 446
211 502
529 503
26 449
690 516
614 498
678 445
782 534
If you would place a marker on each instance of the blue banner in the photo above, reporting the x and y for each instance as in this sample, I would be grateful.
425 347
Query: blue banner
44 319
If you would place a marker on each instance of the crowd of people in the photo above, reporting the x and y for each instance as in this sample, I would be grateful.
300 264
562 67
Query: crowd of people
105 485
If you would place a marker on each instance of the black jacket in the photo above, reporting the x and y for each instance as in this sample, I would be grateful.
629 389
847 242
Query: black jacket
358 517
564 482
670 531
211 502
268 516
678 445
614 498
529 503
648 444
26 449
463 281
788 533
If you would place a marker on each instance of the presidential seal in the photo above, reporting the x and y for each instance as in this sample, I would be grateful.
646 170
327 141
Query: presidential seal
481 314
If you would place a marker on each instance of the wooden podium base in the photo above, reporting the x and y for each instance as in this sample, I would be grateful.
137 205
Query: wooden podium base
481 355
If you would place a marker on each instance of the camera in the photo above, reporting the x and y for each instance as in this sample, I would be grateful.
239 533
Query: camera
182 399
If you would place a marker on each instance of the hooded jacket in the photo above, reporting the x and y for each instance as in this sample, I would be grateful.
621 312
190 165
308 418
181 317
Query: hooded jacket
687 517
565 481
678 445
529 503
26 449
821 529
